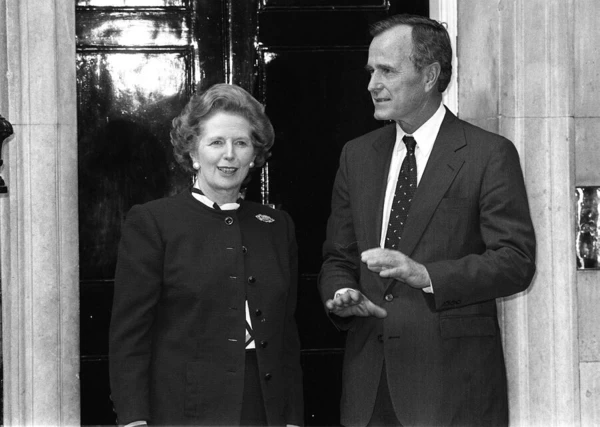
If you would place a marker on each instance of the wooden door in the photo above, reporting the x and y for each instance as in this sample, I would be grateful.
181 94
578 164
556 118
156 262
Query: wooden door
138 62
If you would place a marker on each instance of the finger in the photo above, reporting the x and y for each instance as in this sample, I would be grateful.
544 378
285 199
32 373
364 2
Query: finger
344 299
355 296
370 253
330 304
375 268
391 272
377 311
342 312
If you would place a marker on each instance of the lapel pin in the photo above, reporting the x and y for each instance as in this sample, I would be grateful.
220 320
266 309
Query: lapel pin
264 218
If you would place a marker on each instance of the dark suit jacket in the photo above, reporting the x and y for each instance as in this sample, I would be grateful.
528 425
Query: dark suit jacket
469 224
177 334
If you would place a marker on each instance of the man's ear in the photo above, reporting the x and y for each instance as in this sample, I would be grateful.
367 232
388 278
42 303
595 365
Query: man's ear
432 74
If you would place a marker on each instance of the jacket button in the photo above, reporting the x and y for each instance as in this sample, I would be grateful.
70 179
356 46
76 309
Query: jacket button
263 344
251 279
229 220
267 376
257 313
244 249
389 297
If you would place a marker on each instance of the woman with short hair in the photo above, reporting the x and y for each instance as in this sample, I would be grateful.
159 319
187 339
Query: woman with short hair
202 329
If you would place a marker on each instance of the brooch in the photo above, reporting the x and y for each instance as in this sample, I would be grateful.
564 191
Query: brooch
264 218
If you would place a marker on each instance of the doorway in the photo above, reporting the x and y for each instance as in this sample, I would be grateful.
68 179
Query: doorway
138 61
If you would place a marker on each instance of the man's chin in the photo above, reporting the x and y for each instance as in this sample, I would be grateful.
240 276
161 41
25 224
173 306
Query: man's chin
380 115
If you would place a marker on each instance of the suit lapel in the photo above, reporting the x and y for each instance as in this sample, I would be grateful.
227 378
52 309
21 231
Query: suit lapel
444 163
375 183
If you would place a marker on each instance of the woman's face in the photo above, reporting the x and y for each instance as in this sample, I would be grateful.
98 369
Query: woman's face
224 153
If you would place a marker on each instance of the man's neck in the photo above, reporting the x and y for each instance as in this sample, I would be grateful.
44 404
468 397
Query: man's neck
420 117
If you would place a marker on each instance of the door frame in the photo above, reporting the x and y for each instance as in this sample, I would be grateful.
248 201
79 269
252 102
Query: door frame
446 11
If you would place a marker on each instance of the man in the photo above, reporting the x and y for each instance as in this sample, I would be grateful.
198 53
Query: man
416 292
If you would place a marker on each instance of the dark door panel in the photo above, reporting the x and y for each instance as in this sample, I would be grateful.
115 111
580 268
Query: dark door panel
316 101
137 64
126 102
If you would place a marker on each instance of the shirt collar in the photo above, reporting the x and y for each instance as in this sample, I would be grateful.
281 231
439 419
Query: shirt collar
427 133
206 201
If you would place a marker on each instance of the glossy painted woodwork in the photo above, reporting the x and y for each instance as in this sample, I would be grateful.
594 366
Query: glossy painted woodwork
138 62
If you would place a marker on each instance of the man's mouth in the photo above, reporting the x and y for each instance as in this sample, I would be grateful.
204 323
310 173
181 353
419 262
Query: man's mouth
378 100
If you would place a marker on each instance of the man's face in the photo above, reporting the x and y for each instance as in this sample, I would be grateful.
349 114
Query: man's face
398 90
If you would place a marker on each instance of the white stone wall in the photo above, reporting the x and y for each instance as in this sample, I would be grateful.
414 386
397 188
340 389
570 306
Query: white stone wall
516 64
38 217
586 114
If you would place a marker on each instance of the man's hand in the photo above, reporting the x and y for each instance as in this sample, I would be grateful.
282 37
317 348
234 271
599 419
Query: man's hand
354 303
391 263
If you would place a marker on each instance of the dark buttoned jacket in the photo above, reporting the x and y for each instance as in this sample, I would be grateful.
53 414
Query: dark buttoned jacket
469 225
177 334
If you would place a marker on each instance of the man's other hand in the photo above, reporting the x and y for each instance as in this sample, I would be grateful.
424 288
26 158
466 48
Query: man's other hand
353 303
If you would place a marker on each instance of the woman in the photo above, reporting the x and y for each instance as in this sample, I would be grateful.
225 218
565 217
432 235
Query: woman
203 329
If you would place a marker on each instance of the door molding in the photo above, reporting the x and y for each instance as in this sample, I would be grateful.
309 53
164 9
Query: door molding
446 11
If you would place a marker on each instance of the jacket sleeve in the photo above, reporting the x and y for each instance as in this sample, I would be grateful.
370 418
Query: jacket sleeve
294 402
341 260
507 264
137 287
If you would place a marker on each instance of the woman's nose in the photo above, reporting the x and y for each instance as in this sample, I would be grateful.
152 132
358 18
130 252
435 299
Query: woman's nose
229 152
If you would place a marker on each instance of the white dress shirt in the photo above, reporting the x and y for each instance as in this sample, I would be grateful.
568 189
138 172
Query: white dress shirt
425 138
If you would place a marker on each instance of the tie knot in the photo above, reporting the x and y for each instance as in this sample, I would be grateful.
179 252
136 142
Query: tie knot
410 143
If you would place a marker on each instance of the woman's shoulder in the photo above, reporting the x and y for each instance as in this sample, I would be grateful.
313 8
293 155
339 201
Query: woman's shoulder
164 205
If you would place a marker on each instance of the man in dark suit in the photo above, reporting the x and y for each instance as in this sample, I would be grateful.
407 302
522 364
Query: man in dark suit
429 225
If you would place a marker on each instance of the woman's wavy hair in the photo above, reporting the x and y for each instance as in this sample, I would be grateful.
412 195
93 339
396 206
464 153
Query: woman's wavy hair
431 43
189 125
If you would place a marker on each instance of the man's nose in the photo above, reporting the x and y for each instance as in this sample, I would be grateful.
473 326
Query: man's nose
374 84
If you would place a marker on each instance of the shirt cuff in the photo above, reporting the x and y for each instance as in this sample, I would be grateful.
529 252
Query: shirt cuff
136 423
341 291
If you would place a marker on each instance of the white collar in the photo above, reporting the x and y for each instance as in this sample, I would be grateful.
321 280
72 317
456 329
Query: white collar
205 200
427 133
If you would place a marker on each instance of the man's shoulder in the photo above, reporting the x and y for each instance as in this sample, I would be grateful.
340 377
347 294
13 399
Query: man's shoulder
476 133
387 132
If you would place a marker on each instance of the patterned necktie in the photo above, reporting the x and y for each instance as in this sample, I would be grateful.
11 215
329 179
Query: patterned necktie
405 190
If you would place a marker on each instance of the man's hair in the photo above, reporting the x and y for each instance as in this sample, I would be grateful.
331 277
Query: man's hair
431 43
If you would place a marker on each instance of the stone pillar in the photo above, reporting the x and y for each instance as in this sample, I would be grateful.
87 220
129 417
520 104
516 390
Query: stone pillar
516 78
38 216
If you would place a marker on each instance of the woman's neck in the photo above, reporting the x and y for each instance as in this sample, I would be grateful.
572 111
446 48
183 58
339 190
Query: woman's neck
219 197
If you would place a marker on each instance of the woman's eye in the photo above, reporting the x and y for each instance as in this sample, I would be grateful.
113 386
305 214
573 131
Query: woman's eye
242 142
216 142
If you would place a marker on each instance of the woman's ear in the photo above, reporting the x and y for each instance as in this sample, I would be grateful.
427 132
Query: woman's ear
195 163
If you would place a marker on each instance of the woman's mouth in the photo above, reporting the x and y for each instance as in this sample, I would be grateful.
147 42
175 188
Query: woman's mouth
227 170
